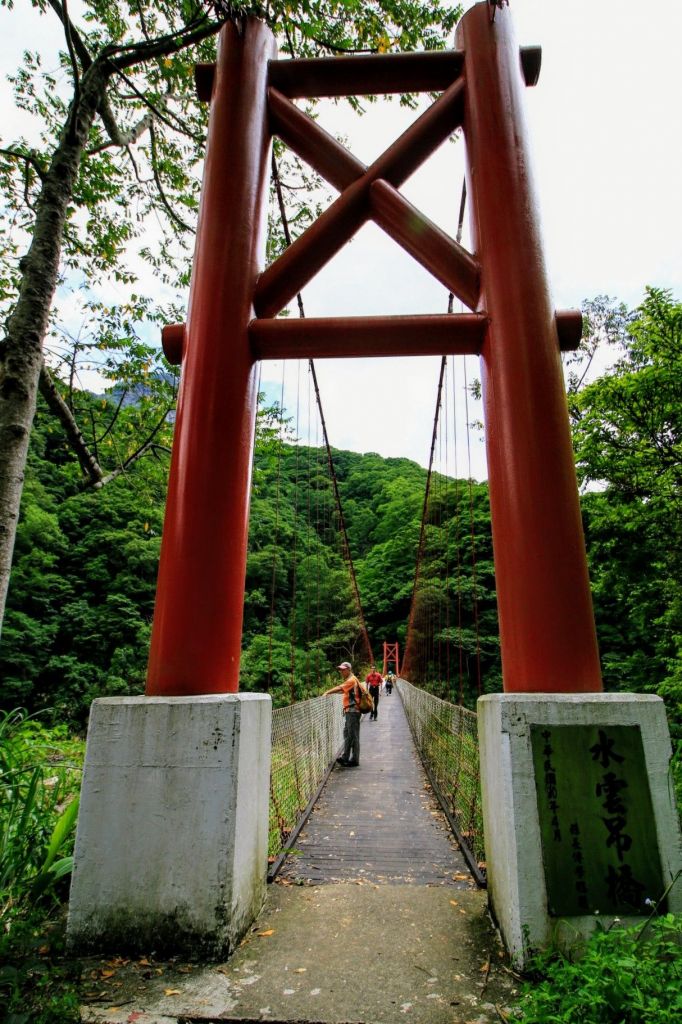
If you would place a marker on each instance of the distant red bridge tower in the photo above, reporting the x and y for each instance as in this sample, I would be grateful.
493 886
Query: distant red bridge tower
391 657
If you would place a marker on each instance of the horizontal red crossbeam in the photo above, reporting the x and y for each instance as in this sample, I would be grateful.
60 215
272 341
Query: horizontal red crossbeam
346 337
438 334
359 75
367 74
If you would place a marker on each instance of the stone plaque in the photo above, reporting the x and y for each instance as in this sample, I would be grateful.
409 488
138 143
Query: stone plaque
599 844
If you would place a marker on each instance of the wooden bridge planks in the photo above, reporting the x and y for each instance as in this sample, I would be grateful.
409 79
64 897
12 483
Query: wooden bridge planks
379 822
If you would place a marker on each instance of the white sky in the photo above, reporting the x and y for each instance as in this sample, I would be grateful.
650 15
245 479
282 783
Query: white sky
605 134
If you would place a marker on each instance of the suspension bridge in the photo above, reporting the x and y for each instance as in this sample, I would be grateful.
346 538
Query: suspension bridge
194 792
373 914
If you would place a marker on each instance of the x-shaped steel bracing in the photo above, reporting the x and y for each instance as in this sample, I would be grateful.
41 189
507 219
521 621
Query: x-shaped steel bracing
367 193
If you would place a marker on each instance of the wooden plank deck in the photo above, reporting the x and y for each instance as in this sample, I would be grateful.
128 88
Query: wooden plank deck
381 821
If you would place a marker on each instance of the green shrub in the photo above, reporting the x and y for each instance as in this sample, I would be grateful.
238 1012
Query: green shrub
39 783
623 976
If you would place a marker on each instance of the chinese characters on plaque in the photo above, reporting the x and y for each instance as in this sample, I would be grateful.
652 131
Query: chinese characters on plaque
599 844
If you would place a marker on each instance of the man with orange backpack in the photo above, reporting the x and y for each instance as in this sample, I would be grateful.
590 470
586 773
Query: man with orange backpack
374 681
351 690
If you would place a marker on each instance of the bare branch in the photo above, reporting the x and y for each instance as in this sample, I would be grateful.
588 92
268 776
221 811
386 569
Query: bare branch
27 187
164 199
169 117
56 404
72 54
290 44
162 116
147 446
94 432
143 21
72 34
137 53
112 421
116 136
28 158
135 167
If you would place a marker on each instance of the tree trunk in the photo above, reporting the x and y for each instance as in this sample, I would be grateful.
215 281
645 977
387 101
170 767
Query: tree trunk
21 349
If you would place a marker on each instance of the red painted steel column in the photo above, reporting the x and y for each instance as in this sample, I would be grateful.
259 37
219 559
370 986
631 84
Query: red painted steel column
545 607
196 638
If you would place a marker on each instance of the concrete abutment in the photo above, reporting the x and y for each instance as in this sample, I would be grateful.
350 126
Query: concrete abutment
172 841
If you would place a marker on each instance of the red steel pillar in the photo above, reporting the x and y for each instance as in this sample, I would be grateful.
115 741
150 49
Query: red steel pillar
547 628
196 638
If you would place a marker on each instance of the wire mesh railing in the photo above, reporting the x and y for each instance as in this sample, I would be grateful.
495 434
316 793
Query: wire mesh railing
447 740
306 738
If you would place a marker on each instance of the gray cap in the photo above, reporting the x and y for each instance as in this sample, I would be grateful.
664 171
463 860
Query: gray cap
345 664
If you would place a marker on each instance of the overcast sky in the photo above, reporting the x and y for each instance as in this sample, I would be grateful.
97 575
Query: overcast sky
605 135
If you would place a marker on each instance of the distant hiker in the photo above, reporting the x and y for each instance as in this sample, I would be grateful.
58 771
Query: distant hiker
374 681
390 678
351 715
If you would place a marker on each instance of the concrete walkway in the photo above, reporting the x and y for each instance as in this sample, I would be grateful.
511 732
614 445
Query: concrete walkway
373 920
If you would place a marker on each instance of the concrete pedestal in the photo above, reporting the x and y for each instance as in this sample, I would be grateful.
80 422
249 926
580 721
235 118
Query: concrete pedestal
172 840
556 839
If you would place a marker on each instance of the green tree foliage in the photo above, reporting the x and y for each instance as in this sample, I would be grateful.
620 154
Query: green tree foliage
85 570
106 177
300 616
82 595
455 650
628 442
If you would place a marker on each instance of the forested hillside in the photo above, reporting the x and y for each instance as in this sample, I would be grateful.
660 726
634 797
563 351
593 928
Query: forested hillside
82 591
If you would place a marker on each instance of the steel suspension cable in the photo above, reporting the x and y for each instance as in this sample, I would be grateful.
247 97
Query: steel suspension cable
446 542
294 555
458 239
342 521
422 529
474 578
273 582
330 460
458 547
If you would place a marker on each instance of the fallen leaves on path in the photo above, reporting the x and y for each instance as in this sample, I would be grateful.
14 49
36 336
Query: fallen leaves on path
262 935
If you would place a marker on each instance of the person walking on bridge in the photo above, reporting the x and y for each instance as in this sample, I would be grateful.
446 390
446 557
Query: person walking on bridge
374 680
350 688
